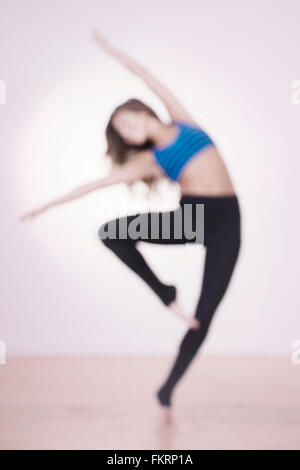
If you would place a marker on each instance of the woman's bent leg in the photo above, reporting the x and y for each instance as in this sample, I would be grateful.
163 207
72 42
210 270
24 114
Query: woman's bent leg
126 250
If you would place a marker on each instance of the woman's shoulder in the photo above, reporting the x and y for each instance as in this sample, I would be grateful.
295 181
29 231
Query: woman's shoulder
184 119
187 123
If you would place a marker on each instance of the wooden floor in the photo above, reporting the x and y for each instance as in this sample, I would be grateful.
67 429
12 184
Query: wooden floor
108 403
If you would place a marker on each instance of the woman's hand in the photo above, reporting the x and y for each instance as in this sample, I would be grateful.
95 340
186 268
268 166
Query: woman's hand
100 40
118 54
34 213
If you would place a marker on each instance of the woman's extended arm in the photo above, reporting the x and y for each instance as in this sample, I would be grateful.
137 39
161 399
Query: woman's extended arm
174 107
135 169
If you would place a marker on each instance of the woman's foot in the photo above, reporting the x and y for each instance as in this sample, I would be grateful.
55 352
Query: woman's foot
192 322
165 408
168 294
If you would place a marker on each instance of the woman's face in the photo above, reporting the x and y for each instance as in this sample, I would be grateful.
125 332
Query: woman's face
132 126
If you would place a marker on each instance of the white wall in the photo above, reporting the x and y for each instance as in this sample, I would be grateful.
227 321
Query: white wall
232 63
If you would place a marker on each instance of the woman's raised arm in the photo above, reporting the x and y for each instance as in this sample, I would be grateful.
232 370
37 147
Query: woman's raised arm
174 107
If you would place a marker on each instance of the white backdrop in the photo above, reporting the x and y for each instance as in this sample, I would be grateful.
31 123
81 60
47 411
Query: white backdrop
232 64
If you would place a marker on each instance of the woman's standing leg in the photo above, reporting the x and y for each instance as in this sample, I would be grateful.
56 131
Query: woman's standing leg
222 242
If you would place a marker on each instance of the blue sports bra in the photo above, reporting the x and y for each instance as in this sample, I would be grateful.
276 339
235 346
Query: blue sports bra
188 141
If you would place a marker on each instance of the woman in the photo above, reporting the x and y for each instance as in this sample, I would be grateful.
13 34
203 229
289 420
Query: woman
143 148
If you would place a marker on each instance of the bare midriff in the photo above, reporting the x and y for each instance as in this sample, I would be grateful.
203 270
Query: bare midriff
206 174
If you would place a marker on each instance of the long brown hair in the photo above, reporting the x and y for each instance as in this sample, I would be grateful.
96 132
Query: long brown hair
118 150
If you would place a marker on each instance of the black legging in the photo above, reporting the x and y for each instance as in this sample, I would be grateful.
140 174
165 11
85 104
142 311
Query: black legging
222 239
